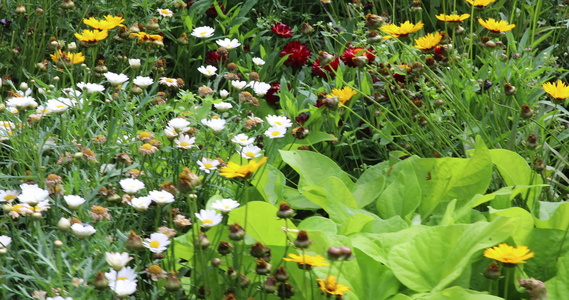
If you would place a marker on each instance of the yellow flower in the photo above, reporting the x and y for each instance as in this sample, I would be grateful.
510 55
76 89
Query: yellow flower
480 3
92 35
452 18
331 286
558 90
311 261
75 58
110 22
403 30
496 26
428 41
147 38
233 170
508 254
344 95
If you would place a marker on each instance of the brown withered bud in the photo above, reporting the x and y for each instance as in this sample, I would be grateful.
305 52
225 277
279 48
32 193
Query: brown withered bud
173 283
325 58
52 180
169 187
202 241
244 281
509 89
346 252
100 281
180 82
417 68
270 285
262 267
222 51
417 103
302 118
490 45
531 142
232 67
439 103
459 30
236 232
224 248
334 253
302 241
202 292
285 290
134 242
216 262
258 250
231 76
538 164
183 39
373 37
300 132
492 272
152 24
285 211
188 181
430 61
101 68
331 102
254 76
124 158
205 91
306 29
373 21
229 296
360 61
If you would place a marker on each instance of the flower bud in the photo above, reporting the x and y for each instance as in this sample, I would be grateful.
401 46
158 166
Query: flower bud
509 89
302 240
258 250
134 242
331 102
67 4
58 243
325 58
439 103
285 211
152 24
37 216
373 21
216 262
20 9
306 29
236 232
492 272
346 252
100 282
360 61
334 253
222 51
526 112
536 289
300 132
224 248
202 241
173 283
281 274
64 224
262 267
270 285
285 290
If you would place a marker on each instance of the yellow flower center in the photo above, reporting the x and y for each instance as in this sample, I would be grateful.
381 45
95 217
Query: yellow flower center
144 134
169 80
9 197
278 123
203 33
250 154
184 144
154 269
121 278
164 11
207 221
227 207
146 147
275 133
98 210
154 244
208 165
16 208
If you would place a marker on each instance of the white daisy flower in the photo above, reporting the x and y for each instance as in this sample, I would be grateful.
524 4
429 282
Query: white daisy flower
222 106
179 123
69 92
168 81
143 81
115 79
250 151
208 164
279 121
73 201
32 194
5 241
260 88
165 12
8 196
56 106
58 298
124 288
223 93
225 205
228 44
22 102
209 218
217 125
82 230
185 142
203 32
134 63
170 132
242 139
258 61
91 87
157 243
207 70
141 204
125 274
131 185
116 260
275 132
238 84
161 197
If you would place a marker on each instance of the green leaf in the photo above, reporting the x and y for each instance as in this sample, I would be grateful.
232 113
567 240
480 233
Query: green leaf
522 228
355 224
314 167
270 184
318 223
433 259
402 194
548 245
558 286
456 292
559 220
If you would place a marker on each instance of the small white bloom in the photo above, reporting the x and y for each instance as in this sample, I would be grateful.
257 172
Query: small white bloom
279 121
207 70
22 102
8 196
258 61
185 142
115 79
225 205
217 125
5 241
91 87
222 106
69 92
223 94
64 224
238 84
228 44
203 32
165 12
125 274
59 298
82 230
260 88
141 204
131 185
32 194
275 132
143 81
134 63
208 164
157 243
250 151
56 106
124 288
168 81
161 197
74 201
116 260
209 218
242 139
170 132
179 123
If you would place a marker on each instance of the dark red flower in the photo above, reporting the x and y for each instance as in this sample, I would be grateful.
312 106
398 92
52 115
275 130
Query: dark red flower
282 30
329 69
352 53
213 58
272 95
299 54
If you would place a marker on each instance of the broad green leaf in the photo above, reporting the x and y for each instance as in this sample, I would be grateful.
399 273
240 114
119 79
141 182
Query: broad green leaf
318 223
378 281
270 184
455 178
449 212
314 167
370 184
436 257
260 221
559 220
390 225
510 191
522 228
354 224
402 194
558 286
455 293
548 245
